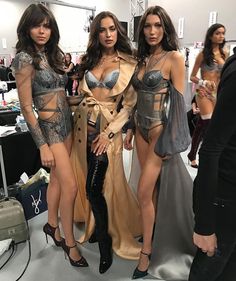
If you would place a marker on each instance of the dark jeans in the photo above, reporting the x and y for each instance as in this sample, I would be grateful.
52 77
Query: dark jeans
69 86
222 266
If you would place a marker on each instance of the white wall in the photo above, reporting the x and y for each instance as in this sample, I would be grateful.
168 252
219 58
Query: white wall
196 16
70 21
10 13
195 13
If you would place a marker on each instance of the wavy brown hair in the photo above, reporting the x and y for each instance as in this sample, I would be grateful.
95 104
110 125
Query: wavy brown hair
94 49
169 41
208 56
34 15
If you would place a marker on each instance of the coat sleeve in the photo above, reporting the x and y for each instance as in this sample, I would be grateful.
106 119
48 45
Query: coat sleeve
129 101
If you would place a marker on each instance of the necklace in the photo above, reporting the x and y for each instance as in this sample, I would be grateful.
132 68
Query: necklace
153 60
104 59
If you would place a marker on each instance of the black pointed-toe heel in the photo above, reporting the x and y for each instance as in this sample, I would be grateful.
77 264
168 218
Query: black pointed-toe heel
106 258
79 263
50 230
141 273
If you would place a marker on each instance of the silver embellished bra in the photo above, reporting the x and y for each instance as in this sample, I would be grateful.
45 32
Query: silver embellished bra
108 82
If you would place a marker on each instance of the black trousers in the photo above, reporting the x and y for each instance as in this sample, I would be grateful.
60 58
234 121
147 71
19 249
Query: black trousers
198 135
222 266
69 86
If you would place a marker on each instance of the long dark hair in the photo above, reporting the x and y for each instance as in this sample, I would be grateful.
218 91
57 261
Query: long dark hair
94 49
169 41
208 56
34 15
66 62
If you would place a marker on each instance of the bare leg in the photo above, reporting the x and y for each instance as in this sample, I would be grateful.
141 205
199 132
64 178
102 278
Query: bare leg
151 166
65 176
53 199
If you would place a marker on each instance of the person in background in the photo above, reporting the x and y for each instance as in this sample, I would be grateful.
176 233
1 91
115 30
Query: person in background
159 78
68 68
111 210
40 79
210 62
193 115
214 196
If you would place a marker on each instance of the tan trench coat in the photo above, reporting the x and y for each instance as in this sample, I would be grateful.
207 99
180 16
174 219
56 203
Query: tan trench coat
123 210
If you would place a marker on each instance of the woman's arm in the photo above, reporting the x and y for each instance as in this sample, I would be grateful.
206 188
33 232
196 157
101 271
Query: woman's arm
196 67
206 86
177 71
129 101
69 68
217 138
23 76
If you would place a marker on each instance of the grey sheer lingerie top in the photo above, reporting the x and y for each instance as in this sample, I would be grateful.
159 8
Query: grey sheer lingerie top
148 90
108 82
46 85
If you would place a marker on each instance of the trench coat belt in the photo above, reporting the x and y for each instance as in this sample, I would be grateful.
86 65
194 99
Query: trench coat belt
97 108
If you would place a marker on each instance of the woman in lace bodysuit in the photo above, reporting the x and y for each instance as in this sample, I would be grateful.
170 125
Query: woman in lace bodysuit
111 212
210 61
38 68
160 65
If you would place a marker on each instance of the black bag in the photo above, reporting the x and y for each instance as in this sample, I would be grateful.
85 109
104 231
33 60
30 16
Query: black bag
175 136
33 199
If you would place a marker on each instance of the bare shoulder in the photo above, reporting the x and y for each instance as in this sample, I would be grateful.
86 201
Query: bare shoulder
226 52
200 56
176 57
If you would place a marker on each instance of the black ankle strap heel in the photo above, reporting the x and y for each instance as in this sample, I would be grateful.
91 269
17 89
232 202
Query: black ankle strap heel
79 263
50 230
141 273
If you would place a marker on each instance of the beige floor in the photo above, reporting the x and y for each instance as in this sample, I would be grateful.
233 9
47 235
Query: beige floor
48 262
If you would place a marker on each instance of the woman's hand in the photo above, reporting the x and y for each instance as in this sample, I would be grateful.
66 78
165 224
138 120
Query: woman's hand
100 144
196 110
128 140
73 100
46 156
207 243
210 86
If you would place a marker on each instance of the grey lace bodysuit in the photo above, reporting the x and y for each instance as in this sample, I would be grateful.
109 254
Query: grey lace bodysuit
151 102
47 86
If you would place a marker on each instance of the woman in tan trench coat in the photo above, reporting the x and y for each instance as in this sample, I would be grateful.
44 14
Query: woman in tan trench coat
107 68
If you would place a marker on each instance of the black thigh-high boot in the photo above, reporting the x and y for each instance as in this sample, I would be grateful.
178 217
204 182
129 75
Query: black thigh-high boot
198 135
96 174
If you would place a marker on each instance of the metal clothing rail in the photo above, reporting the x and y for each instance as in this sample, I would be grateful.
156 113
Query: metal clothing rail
64 3
4 180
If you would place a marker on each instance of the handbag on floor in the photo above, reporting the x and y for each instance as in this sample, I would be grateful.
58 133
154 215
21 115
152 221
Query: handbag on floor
13 224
